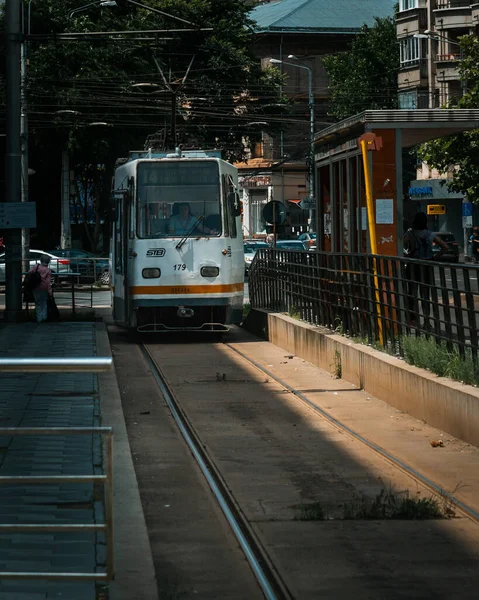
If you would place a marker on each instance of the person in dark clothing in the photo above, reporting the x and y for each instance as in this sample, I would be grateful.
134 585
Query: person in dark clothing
474 241
418 242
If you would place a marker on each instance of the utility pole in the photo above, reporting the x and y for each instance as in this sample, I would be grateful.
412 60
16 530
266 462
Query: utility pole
24 138
13 160
65 233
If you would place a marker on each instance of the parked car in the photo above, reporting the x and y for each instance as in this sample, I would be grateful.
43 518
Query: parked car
297 245
86 263
250 248
309 240
448 237
58 266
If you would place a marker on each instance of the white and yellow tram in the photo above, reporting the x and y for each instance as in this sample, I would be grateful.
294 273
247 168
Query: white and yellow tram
177 251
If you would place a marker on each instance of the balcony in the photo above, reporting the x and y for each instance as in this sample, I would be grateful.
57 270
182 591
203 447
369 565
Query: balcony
413 74
447 58
447 72
414 20
453 14
441 4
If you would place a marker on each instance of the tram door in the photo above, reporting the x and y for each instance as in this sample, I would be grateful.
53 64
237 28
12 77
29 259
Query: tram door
120 241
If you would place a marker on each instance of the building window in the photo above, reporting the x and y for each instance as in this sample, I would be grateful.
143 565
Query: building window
407 4
413 99
408 100
411 50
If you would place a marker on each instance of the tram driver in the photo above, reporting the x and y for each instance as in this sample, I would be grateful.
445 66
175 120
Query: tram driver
181 221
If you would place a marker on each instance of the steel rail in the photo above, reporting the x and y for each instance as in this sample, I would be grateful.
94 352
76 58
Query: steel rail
95 364
397 462
268 579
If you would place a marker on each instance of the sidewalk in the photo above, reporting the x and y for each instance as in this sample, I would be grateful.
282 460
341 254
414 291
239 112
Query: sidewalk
67 400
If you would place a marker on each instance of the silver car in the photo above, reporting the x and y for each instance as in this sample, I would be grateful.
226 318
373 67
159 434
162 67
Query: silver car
58 266
250 249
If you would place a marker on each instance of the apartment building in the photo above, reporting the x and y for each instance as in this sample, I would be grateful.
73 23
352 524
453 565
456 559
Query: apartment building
428 32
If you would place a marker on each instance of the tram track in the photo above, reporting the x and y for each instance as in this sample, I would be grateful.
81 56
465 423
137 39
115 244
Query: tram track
263 449
267 576
460 506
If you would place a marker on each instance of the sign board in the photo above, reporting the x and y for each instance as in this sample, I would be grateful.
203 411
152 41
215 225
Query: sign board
307 203
436 209
467 209
18 215
255 181
274 212
467 221
385 211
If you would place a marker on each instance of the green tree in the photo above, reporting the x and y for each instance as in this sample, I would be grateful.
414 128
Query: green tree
458 155
219 85
365 77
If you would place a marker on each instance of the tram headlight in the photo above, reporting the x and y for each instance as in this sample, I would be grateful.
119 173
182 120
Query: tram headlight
210 271
151 273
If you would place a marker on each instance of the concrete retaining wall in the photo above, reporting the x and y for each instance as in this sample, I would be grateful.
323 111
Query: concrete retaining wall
448 405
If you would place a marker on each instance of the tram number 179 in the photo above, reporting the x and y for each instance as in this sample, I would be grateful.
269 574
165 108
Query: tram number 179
179 267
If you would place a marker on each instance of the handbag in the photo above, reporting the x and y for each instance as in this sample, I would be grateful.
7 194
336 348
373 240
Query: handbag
53 314
32 280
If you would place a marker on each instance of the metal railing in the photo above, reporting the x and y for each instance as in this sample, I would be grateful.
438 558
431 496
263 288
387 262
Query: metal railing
378 298
441 4
96 364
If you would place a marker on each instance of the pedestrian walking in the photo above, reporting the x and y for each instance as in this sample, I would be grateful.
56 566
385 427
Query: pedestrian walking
418 242
39 282
474 241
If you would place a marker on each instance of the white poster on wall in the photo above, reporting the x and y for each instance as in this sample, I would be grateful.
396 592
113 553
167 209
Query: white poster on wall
385 212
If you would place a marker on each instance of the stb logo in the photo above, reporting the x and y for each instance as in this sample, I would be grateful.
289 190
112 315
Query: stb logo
158 252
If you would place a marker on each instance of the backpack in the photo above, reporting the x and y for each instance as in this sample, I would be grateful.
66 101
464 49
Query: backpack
415 247
32 280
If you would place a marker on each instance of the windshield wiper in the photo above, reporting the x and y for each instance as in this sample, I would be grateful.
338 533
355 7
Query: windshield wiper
189 232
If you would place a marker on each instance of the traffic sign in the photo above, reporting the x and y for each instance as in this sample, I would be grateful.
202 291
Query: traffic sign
18 215
436 209
467 209
274 212
308 203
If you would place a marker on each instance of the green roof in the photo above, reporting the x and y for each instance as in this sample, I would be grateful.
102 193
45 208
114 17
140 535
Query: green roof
323 16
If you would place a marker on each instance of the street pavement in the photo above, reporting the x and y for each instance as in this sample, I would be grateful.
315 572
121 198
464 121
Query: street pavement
66 400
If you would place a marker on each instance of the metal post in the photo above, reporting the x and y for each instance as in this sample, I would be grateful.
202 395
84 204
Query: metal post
13 162
24 141
173 121
372 233
109 506
311 146
65 235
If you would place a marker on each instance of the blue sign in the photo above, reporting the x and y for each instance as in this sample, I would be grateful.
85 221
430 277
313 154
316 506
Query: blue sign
467 209
420 191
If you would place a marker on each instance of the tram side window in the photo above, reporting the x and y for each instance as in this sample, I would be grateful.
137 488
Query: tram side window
118 238
229 201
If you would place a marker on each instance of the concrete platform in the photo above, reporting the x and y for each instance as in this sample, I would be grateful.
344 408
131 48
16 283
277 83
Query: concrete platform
67 400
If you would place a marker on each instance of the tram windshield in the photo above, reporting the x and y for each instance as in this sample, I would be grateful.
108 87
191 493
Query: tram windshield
178 198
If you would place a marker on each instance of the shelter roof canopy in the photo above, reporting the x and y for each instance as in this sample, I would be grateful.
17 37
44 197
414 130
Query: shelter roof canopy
417 126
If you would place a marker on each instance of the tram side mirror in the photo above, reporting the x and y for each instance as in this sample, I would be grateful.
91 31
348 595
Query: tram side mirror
234 203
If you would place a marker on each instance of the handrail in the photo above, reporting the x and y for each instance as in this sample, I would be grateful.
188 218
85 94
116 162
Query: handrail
106 479
54 365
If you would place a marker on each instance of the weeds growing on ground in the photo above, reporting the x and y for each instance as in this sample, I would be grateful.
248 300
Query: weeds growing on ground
246 309
294 312
337 366
435 357
387 505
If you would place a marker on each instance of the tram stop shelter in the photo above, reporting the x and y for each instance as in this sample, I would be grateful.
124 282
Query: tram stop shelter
341 217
